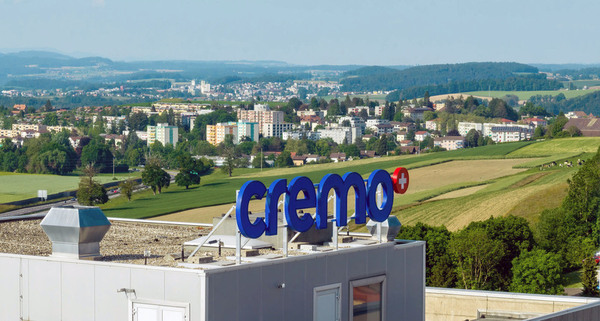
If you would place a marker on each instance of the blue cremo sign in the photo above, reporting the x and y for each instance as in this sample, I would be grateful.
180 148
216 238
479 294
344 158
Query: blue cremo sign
365 203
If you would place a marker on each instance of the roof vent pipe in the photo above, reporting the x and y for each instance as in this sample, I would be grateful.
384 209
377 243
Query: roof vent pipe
75 231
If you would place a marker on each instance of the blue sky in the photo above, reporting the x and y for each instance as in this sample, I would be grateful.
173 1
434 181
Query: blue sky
375 32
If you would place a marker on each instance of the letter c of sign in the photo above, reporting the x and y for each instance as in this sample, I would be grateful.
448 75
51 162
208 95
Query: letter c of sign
247 228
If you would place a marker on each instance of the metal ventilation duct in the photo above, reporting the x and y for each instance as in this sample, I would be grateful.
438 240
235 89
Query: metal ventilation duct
75 231
389 228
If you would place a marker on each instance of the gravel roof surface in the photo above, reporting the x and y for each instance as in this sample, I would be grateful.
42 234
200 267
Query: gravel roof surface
124 242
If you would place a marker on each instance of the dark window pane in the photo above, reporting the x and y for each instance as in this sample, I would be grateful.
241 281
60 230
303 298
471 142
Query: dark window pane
367 302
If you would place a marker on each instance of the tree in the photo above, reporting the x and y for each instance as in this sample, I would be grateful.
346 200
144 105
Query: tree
439 268
472 138
90 192
230 161
99 154
50 119
475 256
537 271
259 161
284 160
155 177
48 106
381 146
127 187
137 121
589 278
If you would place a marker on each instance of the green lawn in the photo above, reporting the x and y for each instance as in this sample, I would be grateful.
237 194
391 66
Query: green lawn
14 187
525 95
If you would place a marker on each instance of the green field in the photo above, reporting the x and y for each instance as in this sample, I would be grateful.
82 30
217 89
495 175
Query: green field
217 189
525 191
14 187
581 83
525 95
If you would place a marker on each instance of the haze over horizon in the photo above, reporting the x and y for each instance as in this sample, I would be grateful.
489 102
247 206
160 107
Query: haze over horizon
336 32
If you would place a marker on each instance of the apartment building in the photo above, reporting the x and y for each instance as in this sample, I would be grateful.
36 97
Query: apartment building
247 129
163 133
215 134
341 134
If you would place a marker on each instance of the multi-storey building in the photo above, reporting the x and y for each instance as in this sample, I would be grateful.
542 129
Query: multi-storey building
215 134
503 134
465 127
355 121
301 135
276 129
163 133
262 117
341 135
23 127
356 110
247 129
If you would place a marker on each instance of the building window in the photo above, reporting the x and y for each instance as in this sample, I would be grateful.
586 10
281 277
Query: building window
367 299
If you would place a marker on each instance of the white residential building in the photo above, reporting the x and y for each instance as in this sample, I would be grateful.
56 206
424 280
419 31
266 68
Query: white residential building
433 124
376 121
449 142
382 129
341 134
421 135
163 133
298 135
355 121
465 127
503 134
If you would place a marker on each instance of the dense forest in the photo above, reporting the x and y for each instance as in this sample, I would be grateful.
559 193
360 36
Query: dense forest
365 79
521 83
584 73
589 103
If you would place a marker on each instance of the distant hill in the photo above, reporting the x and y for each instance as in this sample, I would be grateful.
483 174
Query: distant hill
368 71
388 79
557 67
589 103
584 73
39 54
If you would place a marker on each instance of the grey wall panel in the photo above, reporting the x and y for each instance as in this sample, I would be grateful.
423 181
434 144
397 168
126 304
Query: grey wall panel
415 282
9 295
77 292
274 305
111 305
222 291
148 283
44 290
250 300
296 281
377 261
358 265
